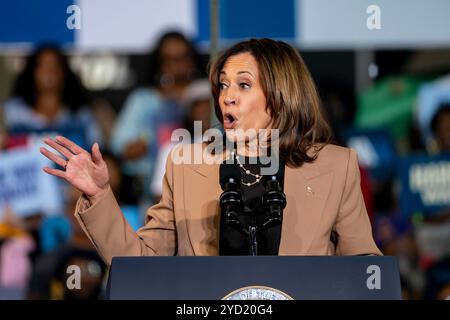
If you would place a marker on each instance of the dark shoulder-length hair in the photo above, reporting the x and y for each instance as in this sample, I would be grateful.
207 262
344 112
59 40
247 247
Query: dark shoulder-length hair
156 58
292 98
74 95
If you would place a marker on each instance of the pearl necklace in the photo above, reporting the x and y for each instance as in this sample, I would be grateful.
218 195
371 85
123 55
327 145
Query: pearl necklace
256 176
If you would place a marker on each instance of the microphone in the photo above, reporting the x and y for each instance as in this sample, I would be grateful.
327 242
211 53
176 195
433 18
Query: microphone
274 199
231 202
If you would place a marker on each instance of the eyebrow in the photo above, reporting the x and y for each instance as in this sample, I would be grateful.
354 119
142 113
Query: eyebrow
240 72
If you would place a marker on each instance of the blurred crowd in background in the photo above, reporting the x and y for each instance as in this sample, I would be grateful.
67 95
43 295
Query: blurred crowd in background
400 126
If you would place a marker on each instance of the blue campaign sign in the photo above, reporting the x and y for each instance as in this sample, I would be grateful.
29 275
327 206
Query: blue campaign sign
25 188
376 151
425 183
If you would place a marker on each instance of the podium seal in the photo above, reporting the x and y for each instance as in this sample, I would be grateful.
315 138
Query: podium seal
257 293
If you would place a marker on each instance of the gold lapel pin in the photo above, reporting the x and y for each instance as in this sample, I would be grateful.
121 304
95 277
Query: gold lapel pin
309 190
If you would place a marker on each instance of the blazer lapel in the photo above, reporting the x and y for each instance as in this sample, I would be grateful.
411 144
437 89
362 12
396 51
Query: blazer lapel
201 203
306 190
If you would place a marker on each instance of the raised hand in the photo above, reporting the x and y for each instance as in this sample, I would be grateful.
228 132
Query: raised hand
85 171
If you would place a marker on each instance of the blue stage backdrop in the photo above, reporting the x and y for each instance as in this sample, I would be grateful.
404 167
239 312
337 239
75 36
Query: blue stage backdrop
35 22
251 18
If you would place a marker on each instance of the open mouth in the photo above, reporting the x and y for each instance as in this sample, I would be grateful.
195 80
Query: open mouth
229 121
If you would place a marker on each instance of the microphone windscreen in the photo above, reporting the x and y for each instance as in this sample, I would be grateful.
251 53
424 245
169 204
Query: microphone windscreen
228 171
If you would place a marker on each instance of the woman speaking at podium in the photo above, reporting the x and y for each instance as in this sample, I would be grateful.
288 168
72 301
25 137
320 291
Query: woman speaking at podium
256 84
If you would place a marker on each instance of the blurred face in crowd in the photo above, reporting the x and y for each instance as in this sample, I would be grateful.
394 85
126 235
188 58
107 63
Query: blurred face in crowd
176 59
49 74
443 131
242 100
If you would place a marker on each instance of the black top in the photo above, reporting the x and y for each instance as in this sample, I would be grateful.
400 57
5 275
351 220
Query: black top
235 242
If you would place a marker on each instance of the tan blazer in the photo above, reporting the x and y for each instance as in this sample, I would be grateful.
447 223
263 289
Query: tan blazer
321 196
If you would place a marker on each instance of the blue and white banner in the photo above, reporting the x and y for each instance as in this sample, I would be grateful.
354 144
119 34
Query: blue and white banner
134 26
24 187
425 184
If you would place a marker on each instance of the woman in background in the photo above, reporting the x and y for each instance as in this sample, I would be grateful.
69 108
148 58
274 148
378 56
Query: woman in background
48 95
150 114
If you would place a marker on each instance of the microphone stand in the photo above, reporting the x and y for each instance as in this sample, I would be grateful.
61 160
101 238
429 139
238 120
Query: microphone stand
252 230
274 201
